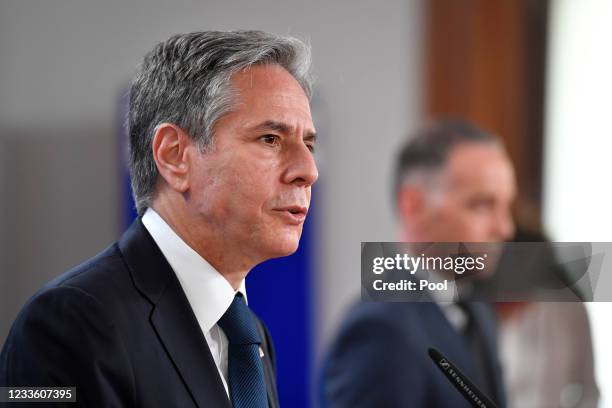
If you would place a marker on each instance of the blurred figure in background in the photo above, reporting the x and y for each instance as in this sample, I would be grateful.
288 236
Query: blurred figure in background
454 183
545 347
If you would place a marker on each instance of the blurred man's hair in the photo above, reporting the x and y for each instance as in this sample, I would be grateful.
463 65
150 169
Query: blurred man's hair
426 151
185 80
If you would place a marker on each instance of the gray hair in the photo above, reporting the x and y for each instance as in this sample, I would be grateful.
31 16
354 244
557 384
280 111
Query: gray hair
185 80
427 151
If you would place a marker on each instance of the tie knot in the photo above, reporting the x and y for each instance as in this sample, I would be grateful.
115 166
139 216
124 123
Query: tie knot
238 323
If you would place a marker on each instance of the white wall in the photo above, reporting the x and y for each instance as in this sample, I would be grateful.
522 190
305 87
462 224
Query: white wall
371 93
578 169
63 64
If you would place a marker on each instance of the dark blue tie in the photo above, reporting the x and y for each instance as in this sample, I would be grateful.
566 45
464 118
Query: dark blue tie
247 385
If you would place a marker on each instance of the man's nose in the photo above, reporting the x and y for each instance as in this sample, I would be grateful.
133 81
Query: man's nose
301 167
503 229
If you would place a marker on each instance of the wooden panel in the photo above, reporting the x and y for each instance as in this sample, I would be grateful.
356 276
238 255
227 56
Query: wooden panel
485 62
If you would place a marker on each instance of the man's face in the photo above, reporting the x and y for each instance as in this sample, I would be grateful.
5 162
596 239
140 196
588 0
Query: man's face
251 191
473 200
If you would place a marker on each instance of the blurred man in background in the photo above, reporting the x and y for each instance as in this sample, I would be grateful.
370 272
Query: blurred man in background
454 183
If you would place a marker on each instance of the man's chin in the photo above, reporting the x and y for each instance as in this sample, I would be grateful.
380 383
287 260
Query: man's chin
284 247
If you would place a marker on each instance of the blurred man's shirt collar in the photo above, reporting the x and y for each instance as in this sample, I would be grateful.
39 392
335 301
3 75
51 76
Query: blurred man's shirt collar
446 299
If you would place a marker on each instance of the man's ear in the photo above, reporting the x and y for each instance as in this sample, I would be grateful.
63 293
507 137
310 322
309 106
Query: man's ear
170 146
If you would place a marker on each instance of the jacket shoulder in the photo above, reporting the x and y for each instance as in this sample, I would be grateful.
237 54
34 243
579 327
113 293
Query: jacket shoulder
102 270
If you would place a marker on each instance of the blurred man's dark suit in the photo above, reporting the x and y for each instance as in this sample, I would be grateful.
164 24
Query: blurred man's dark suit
121 330
380 359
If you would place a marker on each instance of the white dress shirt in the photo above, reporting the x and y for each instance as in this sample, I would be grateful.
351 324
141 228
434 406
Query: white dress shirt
207 291
447 300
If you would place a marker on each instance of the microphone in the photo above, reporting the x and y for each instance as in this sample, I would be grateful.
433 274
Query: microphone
466 387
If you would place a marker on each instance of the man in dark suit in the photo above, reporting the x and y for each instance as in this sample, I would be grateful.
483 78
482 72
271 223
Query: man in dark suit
454 183
221 141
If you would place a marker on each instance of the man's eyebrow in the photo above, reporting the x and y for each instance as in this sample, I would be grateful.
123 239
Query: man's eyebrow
282 128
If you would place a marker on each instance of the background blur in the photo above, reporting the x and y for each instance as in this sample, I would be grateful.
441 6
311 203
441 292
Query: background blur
536 72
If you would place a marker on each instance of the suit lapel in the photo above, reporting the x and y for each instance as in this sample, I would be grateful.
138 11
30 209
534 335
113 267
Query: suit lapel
180 333
444 336
487 325
172 317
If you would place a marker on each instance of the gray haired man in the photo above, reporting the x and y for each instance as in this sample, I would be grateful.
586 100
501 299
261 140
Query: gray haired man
222 165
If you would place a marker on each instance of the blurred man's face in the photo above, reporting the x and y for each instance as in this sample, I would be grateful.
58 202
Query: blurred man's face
471 202
252 190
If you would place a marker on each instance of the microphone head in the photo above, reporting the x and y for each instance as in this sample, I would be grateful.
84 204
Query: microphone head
460 381
434 354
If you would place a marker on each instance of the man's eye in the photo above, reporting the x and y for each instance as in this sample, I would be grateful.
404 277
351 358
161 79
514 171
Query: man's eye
270 139
481 204
310 147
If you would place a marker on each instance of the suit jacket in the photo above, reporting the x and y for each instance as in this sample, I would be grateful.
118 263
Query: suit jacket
380 358
120 329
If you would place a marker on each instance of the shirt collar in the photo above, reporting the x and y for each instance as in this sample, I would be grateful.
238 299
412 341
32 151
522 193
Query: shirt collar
447 300
207 291
443 296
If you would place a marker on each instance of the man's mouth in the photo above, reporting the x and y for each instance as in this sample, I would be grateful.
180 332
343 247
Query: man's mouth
293 214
